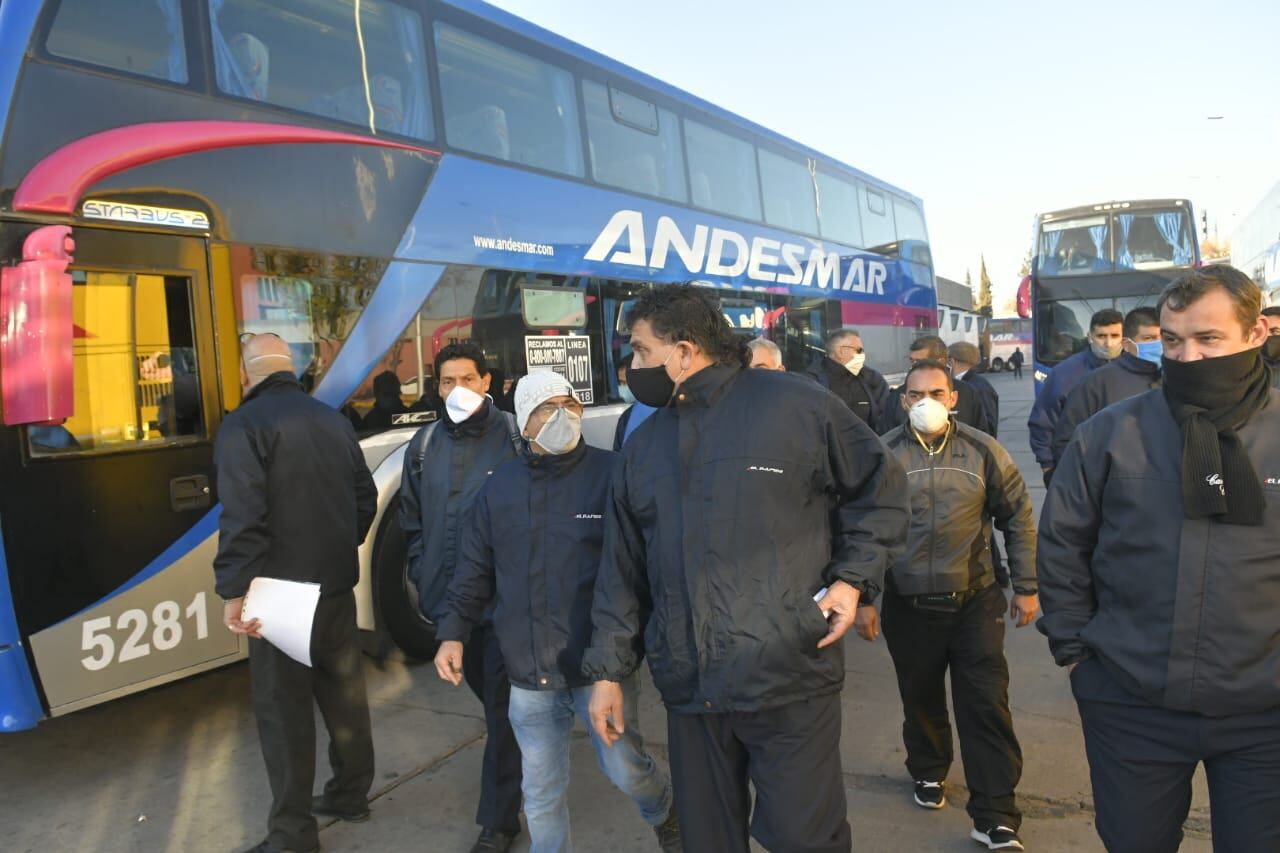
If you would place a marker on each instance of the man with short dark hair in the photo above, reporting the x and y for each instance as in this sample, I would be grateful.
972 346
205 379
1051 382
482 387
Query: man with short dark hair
1272 315
445 464
1106 336
749 515
1271 346
1135 371
1159 565
844 372
943 609
968 407
297 500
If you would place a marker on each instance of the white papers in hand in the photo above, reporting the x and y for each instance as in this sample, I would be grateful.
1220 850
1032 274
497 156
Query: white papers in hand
817 596
285 610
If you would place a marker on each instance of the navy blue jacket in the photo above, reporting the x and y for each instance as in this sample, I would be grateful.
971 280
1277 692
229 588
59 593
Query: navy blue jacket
437 490
988 399
532 546
1053 395
1127 376
726 515
866 395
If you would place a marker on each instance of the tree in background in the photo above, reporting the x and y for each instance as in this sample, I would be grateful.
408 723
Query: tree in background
1025 269
982 305
1214 249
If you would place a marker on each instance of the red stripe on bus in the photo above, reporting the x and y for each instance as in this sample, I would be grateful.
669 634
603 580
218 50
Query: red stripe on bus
58 182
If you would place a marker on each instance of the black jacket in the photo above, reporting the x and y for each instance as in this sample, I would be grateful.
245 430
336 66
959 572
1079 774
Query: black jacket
1182 612
968 411
297 497
532 546
866 394
729 510
956 494
988 401
1127 376
437 486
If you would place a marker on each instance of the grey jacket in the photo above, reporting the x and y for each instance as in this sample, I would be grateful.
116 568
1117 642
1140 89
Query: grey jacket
955 496
1182 613
1127 376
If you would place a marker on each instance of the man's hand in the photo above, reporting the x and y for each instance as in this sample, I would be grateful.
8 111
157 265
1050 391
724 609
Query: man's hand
449 662
841 606
605 711
1048 475
1023 609
867 623
231 610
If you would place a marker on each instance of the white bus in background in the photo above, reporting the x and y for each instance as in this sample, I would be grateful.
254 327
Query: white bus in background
957 321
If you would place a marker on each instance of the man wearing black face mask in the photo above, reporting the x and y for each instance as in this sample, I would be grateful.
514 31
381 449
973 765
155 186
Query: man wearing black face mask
1159 568
739 539
1271 347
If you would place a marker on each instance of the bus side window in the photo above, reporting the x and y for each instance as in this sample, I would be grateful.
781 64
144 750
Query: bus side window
137 36
134 357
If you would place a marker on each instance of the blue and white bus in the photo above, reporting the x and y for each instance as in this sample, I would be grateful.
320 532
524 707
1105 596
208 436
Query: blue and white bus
1255 245
370 180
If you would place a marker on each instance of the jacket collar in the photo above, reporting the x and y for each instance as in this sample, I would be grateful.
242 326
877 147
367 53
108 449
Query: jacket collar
554 463
1133 364
282 380
478 424
706 386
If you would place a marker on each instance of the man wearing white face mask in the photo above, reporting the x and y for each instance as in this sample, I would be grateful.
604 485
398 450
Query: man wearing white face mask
944 610
445 465
844 372
532 548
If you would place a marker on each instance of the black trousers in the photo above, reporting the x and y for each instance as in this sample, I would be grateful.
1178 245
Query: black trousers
792 756
1142 758
970 643
283 690
486 675
1017 371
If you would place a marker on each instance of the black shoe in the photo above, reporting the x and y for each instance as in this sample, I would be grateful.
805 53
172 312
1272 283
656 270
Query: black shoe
321 807
668 832
494 841
997 838
267 847
930 795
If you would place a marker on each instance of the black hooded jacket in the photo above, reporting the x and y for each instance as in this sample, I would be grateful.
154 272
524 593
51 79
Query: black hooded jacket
297 497
730 509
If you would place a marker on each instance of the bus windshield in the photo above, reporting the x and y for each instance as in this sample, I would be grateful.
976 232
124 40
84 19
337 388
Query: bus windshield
1062 325
1116 242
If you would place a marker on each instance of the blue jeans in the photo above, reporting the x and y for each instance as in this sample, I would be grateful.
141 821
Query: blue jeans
542 720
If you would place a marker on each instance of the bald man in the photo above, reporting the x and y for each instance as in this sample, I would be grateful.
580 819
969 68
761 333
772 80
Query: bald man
297 500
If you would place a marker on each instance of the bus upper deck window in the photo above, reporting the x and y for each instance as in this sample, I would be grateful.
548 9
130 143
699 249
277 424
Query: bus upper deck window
138 36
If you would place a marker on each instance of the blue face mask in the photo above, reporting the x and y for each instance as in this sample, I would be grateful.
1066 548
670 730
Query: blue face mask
1152 351
625 393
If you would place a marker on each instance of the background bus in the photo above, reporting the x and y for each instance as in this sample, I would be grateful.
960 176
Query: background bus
1115 255
1004 335
957 321
442 172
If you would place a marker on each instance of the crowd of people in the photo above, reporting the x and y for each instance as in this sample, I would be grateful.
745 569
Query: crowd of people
746 519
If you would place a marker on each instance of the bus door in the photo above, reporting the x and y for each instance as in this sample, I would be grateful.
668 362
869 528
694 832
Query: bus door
109 519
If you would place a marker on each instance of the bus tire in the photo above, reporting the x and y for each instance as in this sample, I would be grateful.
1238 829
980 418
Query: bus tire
394 599
997 364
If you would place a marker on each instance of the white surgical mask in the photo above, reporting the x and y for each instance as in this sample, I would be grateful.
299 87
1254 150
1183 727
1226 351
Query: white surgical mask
462 403
560 433
1106 353
928 416
854 365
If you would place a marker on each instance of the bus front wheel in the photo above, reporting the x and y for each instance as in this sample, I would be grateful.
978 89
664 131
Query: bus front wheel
395 599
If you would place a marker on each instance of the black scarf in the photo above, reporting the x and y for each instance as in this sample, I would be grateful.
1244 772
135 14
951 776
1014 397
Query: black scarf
1210 399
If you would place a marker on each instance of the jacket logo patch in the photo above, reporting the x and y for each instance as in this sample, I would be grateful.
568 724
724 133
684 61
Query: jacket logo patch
765 469
589 516
1216 480
1272 481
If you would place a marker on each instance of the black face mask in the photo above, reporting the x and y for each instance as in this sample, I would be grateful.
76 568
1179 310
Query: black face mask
1271 349
651 385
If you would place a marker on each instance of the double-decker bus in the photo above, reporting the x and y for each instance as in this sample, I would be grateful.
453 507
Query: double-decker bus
1117 255
371 180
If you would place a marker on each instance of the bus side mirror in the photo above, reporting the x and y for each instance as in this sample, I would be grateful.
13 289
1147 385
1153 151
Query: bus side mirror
1024 297
36 324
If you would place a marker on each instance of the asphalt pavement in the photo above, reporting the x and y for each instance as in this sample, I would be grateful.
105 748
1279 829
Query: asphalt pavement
178 768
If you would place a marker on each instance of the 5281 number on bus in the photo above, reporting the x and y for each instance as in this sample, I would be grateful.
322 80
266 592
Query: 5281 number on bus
166 631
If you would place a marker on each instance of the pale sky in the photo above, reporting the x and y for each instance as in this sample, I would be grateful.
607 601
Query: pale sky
988 110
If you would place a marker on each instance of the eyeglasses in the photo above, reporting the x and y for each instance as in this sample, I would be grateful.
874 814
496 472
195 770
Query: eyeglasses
546 410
